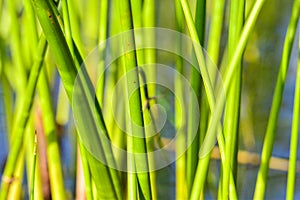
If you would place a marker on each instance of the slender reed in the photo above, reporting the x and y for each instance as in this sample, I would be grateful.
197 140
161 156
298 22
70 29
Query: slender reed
232 110
180 114
290 188
135 104
33 168
193 150
260 186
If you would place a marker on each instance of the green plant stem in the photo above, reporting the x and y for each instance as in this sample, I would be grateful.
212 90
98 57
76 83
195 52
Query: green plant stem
22 118
31 28
103 33
213 43
33 168
210 94
58 44
217 112
67 26
232 111
147 56
74 18
132 182
54 163
135 104
15 189
249 24
86 171
16 49
180 114
260 186
200 17
29 146
149 20
290 189
193 150
213 48
48 17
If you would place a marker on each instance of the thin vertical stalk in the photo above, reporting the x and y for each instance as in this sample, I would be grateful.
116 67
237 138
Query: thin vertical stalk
89 28
54 162
290 189
232 110
149 20
16 48
74 18
215 31
67 26
180 114
103 33
33 168
273 118
135 104
136 9
29 138
87 174
193 150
